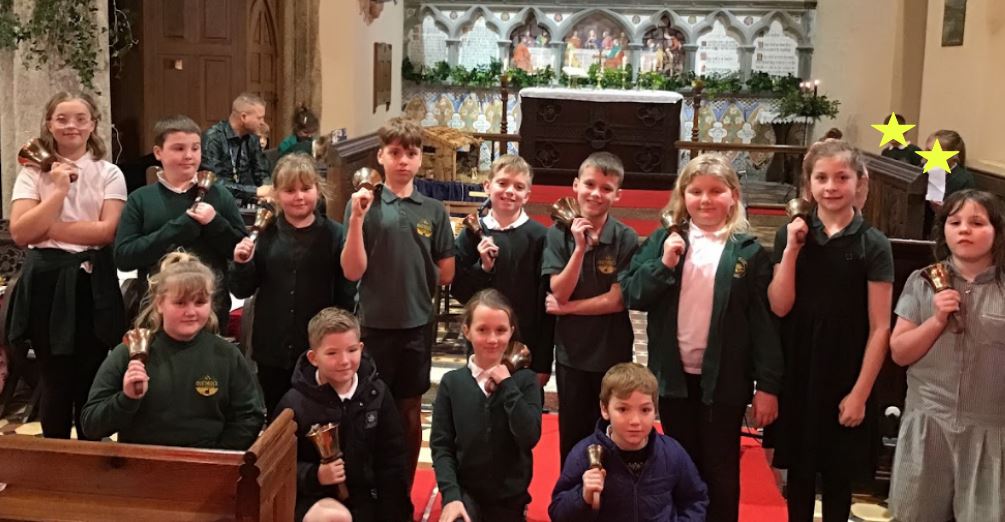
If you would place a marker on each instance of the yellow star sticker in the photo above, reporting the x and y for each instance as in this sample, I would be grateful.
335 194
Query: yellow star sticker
892 131
937 157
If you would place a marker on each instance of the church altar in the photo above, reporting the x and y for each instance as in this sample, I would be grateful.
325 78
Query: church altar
561 127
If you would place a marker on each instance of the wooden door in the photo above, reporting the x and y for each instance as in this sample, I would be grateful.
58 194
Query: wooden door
263 58
191 59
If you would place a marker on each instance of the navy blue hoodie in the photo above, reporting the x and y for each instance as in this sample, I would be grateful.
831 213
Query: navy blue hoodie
372 440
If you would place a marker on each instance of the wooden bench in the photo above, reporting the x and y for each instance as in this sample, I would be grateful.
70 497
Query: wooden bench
50 479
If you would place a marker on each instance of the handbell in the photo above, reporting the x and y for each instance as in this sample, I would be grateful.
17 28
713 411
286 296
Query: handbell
595 455
137 341
799 208
672 227
204 180
940 279
367 178
516 357
473 225
34 153
565 210
263 218
325 439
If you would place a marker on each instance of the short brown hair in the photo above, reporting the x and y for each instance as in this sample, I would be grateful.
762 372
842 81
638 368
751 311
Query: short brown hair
172 124
950 140
623 379
328 321
831 148
403 131
513 163
245 100
605 162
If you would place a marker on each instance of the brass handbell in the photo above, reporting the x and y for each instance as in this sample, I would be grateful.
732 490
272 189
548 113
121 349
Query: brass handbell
204 180
325 439
517 356
799 208
938 276
34 153
564 211
367 178
263 218
473 225
137 341
672 227
595 454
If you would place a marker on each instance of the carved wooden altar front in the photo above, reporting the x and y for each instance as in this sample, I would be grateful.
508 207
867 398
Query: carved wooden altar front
561 127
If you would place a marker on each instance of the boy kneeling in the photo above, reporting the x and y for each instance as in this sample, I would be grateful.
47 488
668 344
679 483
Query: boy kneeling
642 471
335 383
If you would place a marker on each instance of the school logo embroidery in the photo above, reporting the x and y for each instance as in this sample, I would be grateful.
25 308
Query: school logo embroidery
371 420
207 386
740 269
424 228
607 265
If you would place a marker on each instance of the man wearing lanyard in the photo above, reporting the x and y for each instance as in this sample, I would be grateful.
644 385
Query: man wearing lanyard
231 150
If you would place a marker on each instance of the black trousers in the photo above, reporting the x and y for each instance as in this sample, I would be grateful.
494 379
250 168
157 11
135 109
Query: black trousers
801 491
65 380
578 406
275 382
498 512
711 436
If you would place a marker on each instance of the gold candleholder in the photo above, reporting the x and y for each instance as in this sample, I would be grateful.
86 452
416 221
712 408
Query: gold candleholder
325 439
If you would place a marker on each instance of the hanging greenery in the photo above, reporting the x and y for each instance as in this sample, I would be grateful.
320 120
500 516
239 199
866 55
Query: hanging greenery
66 33
793 101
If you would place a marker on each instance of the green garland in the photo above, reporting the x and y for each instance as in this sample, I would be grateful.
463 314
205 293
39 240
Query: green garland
65 31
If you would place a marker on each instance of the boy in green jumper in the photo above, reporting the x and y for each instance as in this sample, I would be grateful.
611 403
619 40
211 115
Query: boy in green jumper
158 218
593 330
410 240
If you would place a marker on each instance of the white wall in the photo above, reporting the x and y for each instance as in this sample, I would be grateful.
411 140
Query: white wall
347 65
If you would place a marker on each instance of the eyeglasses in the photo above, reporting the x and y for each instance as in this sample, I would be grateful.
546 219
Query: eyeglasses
78 121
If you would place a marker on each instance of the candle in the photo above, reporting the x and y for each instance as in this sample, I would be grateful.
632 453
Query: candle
816 84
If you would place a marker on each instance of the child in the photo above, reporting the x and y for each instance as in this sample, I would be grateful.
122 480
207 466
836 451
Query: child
905 153
958 178
195 388
336 382
949 450
593 331
644 473
833 287
158 217
67 301
508 258
305 127
710 332
295 270
486 421
409 238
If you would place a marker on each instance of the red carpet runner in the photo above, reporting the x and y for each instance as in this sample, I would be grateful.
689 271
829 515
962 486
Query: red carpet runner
760 500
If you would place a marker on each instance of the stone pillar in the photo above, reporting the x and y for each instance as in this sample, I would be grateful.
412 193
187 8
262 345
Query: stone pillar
453 51
635 58
558 53
690 52
504 51
746 61
805 61
24 92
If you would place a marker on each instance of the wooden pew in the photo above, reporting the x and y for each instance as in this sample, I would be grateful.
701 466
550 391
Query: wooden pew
896 203
50 479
